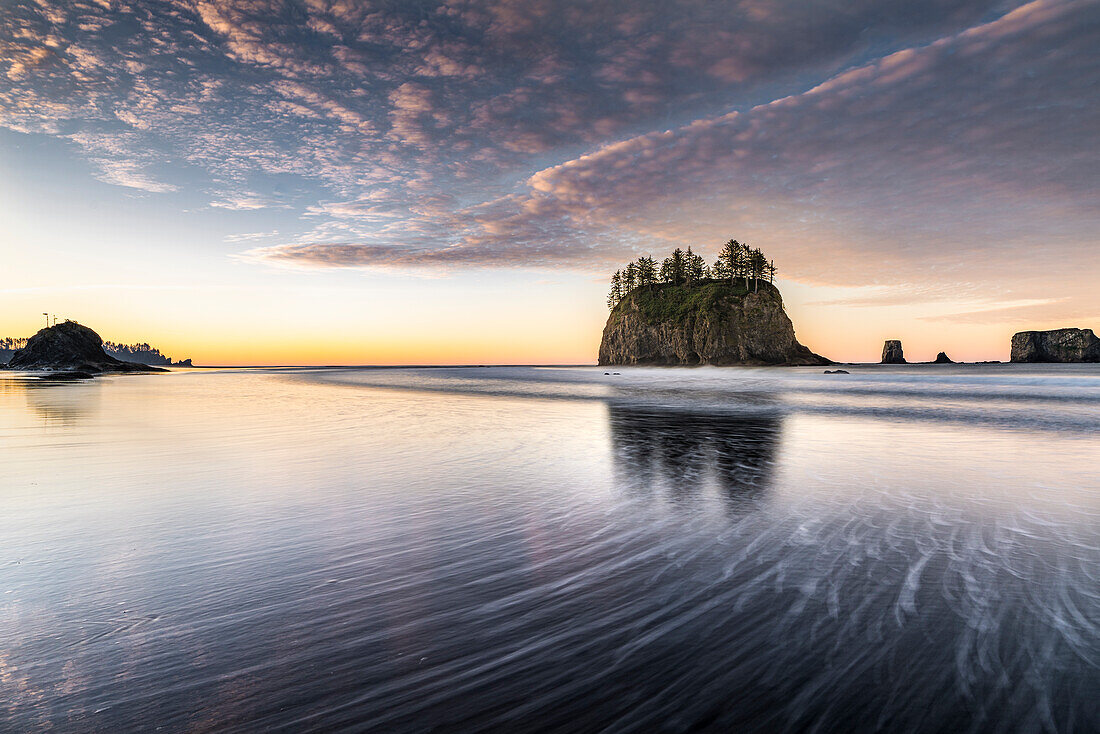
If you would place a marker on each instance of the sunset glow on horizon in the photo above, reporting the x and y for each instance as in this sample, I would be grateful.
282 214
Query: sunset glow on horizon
451 182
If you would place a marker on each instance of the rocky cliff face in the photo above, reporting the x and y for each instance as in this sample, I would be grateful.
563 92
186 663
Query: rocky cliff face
710 323
70 347
1058 345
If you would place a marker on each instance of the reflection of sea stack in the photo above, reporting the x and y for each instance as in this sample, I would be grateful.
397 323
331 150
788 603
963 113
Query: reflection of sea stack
1057 345
678 449
70 347
64 402
892 353
709 323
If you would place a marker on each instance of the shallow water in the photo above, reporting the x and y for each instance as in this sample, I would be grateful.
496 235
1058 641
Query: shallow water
472 549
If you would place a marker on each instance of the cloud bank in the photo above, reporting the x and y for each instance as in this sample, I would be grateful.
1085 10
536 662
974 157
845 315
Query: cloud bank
939 146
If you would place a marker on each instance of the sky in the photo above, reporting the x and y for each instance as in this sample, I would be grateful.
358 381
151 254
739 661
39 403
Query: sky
405 182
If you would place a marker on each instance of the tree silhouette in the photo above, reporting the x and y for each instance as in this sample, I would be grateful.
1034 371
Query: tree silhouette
616 293
720 271
757 265
630 277
672 269
730 259
744 262
735 260
694 267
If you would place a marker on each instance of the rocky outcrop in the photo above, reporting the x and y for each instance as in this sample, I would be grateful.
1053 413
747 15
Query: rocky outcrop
712 323
1057 345
70 347
892 352
942 358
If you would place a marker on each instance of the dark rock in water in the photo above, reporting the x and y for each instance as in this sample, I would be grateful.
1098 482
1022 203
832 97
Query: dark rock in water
66 376
184 363
942 358
715 323
892 352
836 372
70 347
1057 345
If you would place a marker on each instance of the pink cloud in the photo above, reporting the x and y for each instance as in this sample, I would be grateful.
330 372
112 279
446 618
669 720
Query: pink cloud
909 169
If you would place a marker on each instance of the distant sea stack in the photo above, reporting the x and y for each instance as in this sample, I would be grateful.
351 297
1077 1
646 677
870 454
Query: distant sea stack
942 358
892 352
714 322
70 347
1057 345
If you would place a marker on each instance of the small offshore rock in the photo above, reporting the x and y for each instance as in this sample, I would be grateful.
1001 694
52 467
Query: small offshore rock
836 372
942 358
892 352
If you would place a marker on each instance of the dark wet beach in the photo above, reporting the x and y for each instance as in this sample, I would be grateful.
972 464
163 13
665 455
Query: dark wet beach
910 549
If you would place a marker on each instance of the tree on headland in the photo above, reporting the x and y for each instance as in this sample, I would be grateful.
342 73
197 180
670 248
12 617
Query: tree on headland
719 270
730 260
630 277
13 343
616 293
744 262
757 265
672 269
694 267
736 260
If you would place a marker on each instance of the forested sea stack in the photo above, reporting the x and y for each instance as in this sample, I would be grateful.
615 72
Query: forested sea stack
688 313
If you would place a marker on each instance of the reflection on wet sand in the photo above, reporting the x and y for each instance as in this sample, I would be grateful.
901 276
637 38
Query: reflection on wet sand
681 450
56 400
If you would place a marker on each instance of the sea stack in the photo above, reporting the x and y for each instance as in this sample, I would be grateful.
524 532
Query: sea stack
942 358
715 323
892 352
70 347
1057 345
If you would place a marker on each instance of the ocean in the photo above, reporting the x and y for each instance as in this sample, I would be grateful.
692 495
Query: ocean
572 549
